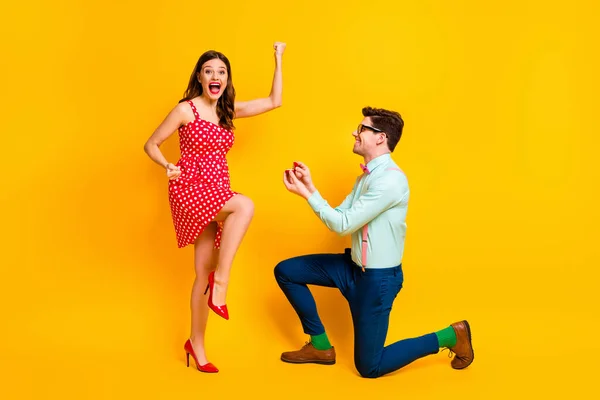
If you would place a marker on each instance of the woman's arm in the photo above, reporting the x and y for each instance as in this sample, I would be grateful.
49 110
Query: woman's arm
251 108
169 125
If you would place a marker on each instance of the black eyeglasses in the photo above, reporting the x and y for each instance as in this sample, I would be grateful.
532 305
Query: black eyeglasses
362 127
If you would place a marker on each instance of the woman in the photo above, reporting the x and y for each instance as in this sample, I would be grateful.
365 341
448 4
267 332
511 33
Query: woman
205 211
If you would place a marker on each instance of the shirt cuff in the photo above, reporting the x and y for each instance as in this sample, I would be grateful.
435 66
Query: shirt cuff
316 200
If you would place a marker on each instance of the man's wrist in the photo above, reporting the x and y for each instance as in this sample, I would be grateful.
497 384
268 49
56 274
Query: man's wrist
315 200
306 194
310 189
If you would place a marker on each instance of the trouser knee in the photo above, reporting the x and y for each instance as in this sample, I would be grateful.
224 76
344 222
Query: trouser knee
367 369
281 270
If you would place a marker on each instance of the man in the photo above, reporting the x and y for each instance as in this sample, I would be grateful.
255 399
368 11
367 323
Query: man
369 275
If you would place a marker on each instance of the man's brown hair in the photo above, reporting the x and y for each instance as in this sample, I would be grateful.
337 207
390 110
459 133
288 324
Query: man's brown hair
388 121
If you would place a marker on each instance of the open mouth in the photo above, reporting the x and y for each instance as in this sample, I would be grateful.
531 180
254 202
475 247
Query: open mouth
214 87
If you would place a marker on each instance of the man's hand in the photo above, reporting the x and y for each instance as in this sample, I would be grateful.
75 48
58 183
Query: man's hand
303 174
295 185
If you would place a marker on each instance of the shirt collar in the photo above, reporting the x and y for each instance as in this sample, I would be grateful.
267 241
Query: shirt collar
377 161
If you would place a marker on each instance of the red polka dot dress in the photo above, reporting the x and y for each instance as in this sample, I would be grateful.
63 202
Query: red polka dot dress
203 187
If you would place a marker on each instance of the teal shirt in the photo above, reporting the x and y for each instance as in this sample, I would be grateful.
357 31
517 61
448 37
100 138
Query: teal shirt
379 198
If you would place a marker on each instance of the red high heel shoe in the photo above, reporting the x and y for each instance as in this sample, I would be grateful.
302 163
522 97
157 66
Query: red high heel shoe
208 367
220 310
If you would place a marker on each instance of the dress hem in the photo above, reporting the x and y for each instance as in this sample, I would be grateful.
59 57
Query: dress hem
202 228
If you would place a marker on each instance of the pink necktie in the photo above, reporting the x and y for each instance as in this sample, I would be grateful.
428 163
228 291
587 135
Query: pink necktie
364 168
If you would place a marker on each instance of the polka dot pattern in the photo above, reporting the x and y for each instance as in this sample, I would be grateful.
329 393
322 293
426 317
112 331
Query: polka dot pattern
203 187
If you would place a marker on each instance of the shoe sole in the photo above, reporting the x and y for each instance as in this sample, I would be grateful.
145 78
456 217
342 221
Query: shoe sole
470 343
322 362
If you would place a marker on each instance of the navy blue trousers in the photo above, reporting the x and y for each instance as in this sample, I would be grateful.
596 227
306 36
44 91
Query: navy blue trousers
370 295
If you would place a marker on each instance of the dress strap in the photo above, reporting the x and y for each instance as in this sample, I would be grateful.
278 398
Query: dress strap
194 109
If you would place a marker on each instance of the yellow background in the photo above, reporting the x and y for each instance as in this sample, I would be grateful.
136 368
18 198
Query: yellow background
500 148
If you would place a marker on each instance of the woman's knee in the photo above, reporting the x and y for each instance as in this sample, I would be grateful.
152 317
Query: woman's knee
238 205
245 205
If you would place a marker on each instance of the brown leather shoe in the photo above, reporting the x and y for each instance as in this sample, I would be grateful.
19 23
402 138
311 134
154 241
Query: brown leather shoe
463 349
308 354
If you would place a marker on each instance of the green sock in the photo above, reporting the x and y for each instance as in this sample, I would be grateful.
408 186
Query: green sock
446 337
321 342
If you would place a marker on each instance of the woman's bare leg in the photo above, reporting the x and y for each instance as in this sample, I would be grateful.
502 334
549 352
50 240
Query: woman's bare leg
205 258
236 214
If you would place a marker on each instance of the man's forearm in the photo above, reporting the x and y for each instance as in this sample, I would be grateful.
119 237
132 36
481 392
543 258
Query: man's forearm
346 220
325 212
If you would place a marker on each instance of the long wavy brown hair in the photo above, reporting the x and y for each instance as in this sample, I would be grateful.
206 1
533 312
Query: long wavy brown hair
226 103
